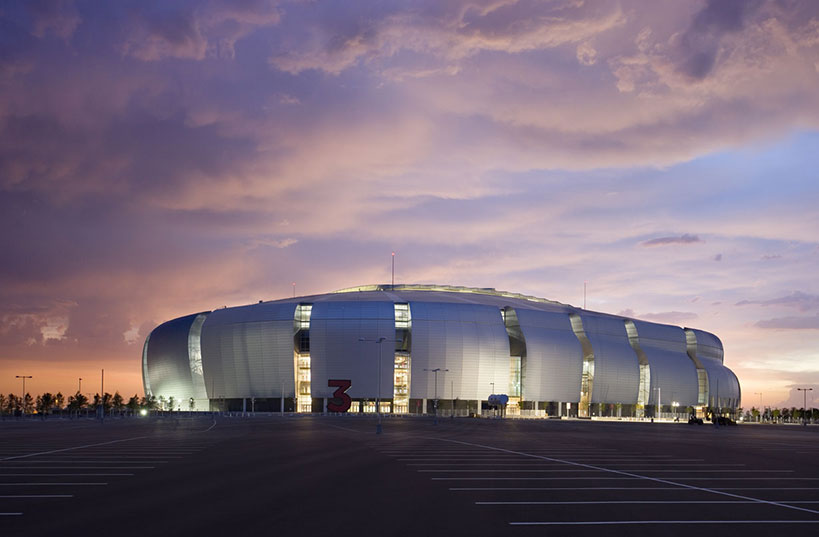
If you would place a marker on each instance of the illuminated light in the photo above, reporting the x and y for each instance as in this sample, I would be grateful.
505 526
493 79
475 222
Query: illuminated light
143 412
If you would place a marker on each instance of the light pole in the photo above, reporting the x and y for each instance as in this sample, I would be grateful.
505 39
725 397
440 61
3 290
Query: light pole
659 402
435 421
380 341
79 386
24 377
804 403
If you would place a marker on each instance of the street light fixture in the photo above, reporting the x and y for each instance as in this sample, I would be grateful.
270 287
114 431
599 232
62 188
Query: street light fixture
804 403
380 341
435 421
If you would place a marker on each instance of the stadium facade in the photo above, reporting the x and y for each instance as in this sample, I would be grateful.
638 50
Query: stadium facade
413 345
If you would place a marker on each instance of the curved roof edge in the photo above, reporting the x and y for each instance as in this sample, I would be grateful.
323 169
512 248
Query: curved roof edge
449 289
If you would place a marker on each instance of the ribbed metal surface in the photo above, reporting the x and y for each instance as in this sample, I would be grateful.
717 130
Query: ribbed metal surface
671 370
554 358
616 369
723 386
337 353
468 339
167 364
248 351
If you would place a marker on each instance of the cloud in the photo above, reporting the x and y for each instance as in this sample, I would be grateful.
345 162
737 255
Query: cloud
450 32
790 323
193 30
699 45
663 241
670 317
718 257
797 299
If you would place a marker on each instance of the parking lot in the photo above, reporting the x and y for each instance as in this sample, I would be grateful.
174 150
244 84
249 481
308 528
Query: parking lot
458 477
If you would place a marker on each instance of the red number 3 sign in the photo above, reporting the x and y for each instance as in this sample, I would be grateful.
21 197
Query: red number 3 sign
340 401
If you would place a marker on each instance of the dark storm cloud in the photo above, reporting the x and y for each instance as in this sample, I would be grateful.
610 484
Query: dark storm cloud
664 241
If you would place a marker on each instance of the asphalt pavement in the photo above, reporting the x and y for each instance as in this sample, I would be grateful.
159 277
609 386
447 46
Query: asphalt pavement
332 475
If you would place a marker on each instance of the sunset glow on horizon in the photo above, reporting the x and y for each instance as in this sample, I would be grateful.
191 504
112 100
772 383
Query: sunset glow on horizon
655 159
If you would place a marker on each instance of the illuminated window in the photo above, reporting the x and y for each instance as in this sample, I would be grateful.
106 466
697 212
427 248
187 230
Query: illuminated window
514 377
587 378
301 357
401 370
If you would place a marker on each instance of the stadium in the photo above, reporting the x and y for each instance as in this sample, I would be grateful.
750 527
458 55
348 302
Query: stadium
418 349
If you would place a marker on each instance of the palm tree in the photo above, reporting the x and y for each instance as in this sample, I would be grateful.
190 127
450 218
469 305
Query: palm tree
45 403
28 403
133 404
59 401
106 402
77 402
11 404
2 404
117 403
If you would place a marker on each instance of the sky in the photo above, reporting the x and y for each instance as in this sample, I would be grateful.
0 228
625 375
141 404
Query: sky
164 158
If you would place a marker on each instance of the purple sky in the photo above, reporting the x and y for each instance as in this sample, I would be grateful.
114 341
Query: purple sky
158 159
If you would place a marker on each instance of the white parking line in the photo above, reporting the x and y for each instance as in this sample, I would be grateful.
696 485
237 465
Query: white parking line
38 496
56 475
552 470
648 478
72 448
50 484
63 461
78 468
670 502
626 478
769 489
10 514
633 522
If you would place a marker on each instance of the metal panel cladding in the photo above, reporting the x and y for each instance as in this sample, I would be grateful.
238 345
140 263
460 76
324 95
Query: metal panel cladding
336 350
616 368
248 351
468 339
671 370
554 357
166 360
723 385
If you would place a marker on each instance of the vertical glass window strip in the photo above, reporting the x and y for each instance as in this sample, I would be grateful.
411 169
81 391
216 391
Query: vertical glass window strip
517 358
702 377
301 357
644 386
145 380
587 378
401 372
514 376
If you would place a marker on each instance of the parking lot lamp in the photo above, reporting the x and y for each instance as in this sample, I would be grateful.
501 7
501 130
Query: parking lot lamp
804 403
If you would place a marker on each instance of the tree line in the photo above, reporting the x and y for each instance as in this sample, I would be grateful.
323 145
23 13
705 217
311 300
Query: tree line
48 403
781 415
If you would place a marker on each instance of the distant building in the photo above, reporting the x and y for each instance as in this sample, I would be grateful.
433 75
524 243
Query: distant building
305 353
